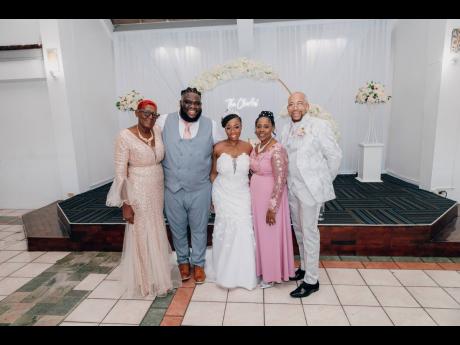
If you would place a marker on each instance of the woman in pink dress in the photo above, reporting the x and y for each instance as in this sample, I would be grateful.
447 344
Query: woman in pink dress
270 208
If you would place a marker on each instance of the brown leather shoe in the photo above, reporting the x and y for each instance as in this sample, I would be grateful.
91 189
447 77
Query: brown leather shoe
199 275
184 270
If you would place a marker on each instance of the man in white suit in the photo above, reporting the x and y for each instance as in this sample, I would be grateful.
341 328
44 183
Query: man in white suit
314 160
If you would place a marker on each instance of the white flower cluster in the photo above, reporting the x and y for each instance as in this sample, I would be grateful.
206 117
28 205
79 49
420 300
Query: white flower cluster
235 69
130 101
316 110
372 93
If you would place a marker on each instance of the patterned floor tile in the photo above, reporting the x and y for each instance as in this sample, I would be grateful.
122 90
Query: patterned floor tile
345 276
91 310
418 265
284 315
436 259
380 265
445 317
171 321
355 295
393 296
406 259
129 312
153 317
381 258
244 314
367 316
433 297
180 302
379 277
342 264
204 313
409 316
354 258
325 315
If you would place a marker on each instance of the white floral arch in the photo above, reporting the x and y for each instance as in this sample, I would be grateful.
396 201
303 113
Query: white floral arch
246 68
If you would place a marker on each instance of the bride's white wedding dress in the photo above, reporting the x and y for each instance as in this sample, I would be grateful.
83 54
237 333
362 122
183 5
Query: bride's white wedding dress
231 262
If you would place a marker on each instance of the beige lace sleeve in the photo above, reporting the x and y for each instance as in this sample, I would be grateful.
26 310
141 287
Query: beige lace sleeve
280 169
118 191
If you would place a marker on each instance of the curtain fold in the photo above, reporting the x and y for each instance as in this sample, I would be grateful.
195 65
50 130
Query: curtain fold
328 60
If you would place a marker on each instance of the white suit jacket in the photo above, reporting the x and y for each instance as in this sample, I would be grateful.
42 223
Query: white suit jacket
318 157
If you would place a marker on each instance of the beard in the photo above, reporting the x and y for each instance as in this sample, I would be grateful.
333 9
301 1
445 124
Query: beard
186 118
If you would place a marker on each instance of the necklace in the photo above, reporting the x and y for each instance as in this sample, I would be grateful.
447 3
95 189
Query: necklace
261 148
146 140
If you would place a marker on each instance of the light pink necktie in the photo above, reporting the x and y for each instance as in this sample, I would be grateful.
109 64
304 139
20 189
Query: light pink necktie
187 133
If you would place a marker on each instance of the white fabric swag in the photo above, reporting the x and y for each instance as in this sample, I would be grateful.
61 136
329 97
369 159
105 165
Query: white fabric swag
327 59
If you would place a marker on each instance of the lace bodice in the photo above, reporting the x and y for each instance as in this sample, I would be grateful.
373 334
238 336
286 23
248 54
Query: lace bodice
273 162
235 168
132 154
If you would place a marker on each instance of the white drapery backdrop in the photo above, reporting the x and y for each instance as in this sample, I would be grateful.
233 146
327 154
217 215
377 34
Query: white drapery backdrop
327 59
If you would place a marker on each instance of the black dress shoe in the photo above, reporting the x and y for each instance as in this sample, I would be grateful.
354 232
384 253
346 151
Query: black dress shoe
299 274
304 289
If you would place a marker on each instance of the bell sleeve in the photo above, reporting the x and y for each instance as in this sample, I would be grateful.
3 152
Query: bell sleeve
118 193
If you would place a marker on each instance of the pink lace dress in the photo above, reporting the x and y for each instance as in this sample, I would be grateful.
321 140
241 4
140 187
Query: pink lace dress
148 266
274 248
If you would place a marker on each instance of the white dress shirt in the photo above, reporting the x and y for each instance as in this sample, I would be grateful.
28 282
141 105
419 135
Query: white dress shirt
217 133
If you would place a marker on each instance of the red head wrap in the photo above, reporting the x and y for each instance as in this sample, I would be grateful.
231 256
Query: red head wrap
145 102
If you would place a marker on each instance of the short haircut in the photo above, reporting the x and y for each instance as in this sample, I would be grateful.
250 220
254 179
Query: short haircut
190 89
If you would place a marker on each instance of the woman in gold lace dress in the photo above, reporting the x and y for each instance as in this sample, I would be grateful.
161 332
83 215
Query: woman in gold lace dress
147 264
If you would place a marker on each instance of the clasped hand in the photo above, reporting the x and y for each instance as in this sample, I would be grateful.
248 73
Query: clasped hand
128 213
270 218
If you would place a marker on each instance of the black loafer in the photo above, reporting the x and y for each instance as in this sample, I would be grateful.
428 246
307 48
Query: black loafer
299 274
304 289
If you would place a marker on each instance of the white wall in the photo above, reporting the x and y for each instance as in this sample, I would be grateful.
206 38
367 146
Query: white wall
417 51
424 145
57 135
19 32
90 79
446 164
28 162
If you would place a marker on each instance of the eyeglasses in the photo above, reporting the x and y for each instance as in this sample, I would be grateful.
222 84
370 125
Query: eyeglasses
188 103
147 114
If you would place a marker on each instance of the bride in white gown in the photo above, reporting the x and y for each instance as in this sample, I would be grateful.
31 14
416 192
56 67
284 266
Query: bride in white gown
231 262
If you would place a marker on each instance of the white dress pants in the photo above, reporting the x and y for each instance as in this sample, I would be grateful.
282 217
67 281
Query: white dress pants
304 216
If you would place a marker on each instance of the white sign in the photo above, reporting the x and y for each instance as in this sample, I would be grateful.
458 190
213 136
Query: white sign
232 104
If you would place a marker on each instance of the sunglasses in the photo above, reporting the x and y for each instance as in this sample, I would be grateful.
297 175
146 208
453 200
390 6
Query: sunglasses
147 114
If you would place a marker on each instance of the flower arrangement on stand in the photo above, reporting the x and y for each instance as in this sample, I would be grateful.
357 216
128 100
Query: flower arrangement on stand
371 94
130 101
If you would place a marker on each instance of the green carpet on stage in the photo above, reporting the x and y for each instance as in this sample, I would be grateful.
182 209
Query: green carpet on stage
392 201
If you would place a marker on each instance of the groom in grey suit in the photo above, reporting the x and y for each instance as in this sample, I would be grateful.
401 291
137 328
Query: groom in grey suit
188 139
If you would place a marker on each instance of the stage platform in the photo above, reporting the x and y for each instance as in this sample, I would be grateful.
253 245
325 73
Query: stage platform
389 218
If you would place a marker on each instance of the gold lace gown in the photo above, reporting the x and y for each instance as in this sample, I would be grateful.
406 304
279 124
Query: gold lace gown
148 266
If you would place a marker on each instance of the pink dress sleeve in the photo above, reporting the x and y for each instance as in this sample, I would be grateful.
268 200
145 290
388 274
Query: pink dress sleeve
280 169
118 191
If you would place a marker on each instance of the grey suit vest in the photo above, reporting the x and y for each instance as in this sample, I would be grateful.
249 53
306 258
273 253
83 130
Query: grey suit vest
187 162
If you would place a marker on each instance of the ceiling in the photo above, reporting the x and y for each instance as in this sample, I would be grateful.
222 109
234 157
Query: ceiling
144 24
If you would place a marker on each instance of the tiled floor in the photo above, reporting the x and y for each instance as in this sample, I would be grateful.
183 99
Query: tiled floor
82 288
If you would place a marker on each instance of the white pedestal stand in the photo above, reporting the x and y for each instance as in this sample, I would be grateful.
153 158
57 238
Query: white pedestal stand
370 163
